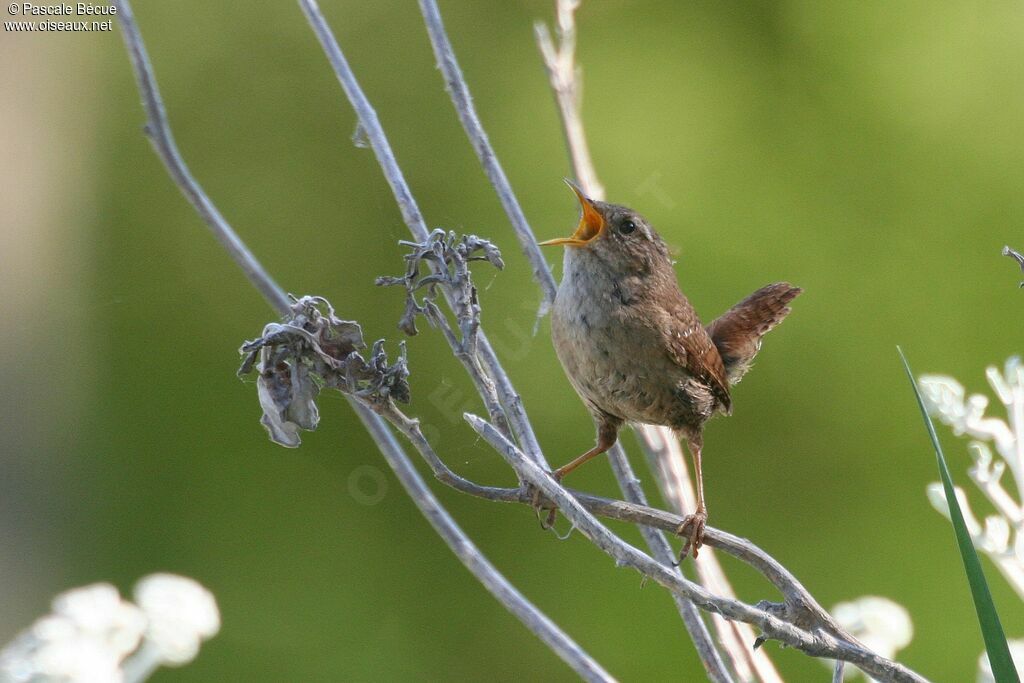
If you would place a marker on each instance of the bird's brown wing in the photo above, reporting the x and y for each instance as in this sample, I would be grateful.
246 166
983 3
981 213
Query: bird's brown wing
737 333
691 347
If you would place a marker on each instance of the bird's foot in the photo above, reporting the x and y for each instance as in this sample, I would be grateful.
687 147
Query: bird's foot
692 530
545 509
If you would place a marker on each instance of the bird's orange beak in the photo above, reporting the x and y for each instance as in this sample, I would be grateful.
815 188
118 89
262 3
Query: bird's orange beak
591 222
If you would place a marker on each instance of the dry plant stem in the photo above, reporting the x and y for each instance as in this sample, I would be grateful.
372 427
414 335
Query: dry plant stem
495 376
442 522
560 63
463 102
667 460
470 555
159 132
799 603
662 551
816 635
567 84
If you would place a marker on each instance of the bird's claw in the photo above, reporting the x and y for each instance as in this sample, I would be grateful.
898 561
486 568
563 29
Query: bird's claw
541 505
694 540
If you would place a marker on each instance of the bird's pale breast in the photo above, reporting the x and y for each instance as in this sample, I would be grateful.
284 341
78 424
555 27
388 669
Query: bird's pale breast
606 339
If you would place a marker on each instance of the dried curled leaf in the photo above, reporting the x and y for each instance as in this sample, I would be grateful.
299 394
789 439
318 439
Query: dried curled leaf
310 350
450 255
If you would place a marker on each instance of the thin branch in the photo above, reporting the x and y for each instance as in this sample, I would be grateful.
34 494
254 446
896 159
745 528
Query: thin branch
463 102
666 459
159 132
801 607
805 632
567 84
662 551
560 63
378 140
463 548
446 527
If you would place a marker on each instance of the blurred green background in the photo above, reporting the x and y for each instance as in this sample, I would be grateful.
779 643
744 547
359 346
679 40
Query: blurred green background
872 153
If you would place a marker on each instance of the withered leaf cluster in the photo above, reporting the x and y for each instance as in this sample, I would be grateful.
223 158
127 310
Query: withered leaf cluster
446 257
314 349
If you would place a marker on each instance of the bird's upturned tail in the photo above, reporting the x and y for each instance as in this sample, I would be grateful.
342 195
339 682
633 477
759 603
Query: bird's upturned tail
737 333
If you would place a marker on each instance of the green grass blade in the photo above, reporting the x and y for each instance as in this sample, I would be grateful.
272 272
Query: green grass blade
988 618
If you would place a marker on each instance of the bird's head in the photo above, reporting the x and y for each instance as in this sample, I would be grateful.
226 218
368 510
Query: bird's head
615 235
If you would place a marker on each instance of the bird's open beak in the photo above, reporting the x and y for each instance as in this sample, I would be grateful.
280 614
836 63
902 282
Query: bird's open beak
591 222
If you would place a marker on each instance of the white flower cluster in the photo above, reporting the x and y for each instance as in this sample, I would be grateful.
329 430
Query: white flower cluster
999 535
881 624
94 636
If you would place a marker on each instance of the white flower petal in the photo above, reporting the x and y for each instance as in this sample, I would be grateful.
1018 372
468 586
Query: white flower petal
999 384
78 660
97 611
937 497
996 538
881 624
181 614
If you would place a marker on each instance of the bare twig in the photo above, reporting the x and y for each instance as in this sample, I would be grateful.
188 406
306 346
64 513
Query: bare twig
560 63
666 459
799 606
468 554
460 544
662 551
671 471
159 132
811 631
378 141
463 101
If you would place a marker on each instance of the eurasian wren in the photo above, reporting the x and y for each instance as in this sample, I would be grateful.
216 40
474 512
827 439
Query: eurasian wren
634 348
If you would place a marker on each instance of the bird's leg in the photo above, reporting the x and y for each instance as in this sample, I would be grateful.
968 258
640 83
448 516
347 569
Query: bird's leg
698 520
607 434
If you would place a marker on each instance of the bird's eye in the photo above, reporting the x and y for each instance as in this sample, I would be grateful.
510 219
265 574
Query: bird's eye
627 227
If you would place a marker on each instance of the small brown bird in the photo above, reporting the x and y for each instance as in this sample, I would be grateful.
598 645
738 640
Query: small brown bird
632 344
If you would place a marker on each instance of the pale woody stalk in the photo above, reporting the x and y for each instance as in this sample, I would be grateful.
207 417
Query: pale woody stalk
463 102
665 455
